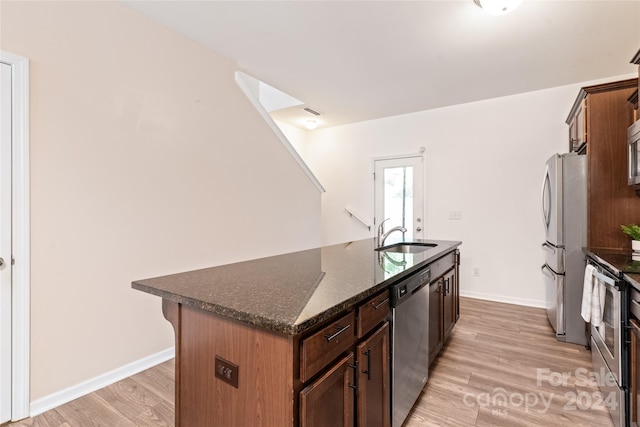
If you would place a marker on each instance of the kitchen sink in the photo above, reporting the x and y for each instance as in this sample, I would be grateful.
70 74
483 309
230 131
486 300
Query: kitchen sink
407 247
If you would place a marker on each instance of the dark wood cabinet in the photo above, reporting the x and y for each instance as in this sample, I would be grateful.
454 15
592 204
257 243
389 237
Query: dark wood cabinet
436 331
329 401
606 115
578 128
450 311
323 401
321 348
373 400
444 310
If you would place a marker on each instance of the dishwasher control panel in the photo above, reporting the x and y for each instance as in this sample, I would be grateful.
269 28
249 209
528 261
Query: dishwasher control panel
408 286
402 291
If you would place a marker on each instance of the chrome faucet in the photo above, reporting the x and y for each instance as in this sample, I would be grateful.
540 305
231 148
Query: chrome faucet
382 236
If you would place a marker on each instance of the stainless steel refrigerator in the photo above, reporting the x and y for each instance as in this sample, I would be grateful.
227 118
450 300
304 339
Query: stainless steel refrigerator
564 213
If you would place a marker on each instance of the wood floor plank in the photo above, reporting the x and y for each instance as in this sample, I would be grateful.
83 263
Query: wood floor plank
129 397
161 415
159 380
93 411
48 419
495 348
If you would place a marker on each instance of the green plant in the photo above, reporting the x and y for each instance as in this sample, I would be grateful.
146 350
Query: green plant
632 231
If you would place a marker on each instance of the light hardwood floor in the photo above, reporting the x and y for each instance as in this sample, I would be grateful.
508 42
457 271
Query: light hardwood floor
497 350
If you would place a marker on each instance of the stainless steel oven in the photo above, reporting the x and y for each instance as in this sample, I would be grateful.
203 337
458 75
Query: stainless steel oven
607 344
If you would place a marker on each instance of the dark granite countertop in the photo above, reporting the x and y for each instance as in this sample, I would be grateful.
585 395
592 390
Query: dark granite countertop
292 292
619 261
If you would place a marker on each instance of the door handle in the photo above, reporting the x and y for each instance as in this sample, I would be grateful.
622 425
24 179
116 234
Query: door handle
368 370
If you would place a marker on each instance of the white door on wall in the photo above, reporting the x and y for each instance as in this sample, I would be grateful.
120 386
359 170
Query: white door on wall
399 195
5 242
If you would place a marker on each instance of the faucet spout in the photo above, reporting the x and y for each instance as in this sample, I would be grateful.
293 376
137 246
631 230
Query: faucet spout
382 236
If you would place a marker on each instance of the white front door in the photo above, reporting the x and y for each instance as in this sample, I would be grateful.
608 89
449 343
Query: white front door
399 195
5 242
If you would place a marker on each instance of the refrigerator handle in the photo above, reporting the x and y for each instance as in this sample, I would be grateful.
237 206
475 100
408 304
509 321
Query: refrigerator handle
546 207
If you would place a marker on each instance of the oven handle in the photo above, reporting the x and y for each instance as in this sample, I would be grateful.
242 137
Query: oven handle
606 279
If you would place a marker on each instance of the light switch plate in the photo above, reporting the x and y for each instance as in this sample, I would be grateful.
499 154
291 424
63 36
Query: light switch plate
455 215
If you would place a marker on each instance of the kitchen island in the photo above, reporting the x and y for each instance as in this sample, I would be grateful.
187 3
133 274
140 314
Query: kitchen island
258 341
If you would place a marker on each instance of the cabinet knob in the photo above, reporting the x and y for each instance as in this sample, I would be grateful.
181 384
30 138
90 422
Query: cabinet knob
1 261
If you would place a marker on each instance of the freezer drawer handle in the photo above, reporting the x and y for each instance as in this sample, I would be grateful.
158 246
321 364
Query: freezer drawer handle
546 267
548 247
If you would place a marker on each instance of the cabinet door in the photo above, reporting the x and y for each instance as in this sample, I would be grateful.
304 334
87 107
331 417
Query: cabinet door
329 401
578 128
634 372
374 395
435 319
449 308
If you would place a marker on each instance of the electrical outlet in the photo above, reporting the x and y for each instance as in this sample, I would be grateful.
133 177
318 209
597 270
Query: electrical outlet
455 215
226 371
476 271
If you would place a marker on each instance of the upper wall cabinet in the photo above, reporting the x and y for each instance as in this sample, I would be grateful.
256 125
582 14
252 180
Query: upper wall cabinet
633 99
607 99
598 125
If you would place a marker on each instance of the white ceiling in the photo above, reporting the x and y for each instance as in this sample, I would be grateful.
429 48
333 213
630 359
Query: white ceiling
362 60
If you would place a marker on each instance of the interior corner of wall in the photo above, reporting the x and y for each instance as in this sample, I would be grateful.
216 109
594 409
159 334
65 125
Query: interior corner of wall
244 81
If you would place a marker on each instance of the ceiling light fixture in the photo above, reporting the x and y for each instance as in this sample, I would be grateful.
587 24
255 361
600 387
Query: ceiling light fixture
311 124
498 7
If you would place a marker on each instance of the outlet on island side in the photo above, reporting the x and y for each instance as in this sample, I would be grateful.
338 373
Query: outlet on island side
476 271
226 371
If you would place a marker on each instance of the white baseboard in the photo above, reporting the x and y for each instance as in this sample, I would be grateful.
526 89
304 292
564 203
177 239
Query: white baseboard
64 396
501 298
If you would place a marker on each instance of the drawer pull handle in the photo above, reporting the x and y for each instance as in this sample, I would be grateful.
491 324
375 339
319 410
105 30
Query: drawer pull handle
338 332
377 306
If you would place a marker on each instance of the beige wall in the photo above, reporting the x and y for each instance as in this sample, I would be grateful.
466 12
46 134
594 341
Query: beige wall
146 159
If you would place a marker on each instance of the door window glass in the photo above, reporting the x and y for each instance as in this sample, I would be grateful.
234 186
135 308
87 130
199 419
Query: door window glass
398 198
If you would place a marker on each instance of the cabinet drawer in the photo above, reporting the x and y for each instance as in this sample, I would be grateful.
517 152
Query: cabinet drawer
634 301
373 311
442 265
319 349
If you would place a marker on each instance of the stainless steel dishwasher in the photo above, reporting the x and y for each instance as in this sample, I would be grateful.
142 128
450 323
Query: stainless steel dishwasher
410 337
